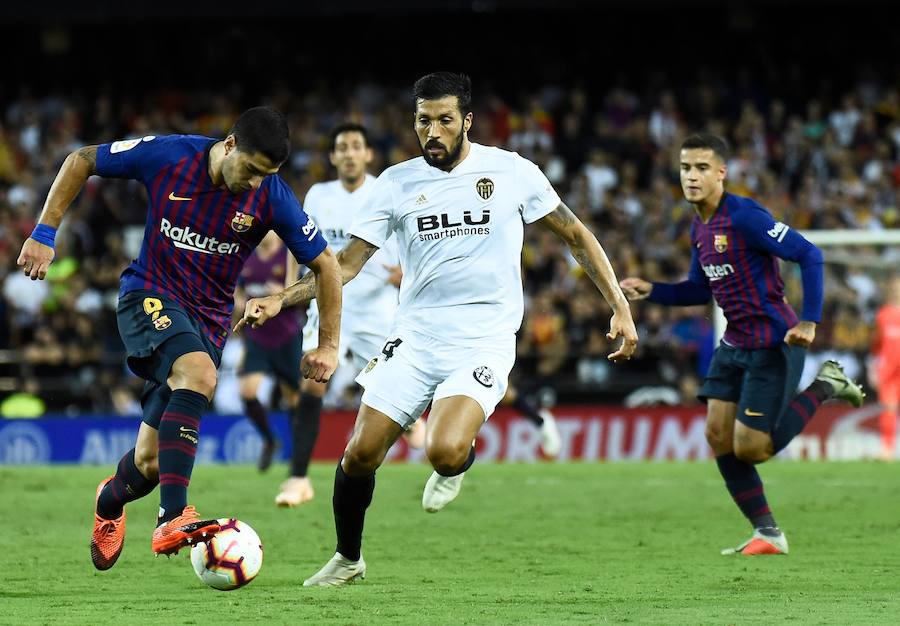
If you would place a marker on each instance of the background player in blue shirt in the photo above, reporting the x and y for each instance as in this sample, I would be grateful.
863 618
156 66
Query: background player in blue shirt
210 203
752 413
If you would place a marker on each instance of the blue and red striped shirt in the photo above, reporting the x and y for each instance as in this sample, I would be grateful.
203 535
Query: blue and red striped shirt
735 260
198 236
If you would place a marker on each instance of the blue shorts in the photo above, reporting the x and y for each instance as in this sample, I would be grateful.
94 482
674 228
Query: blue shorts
156 330
282 362
761 381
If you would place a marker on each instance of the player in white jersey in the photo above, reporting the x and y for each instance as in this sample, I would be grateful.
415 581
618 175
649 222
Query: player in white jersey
458 215
372 296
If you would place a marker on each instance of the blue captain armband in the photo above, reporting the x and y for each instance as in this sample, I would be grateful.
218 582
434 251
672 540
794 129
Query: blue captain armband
44 234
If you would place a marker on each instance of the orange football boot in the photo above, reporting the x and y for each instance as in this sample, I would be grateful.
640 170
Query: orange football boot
108 537
184 530
760 544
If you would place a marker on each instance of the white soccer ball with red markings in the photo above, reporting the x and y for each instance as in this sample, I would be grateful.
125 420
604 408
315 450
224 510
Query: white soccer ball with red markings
231 559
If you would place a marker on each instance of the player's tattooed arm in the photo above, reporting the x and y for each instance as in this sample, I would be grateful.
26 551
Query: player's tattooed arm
75 171
328 295
354 256
301 292
36 256
88 154
592 258
561 221
587 251
351 259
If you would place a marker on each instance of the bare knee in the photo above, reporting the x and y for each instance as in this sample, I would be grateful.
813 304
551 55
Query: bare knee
447 457
147 462
719 438
194 371
359 460
204 382
752 453
720 426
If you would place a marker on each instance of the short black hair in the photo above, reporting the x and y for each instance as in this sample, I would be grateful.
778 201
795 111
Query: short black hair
442 84
349 127
263 130
708 141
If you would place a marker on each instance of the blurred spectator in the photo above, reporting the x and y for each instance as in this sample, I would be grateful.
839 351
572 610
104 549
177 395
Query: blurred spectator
845 120
816 162
601 178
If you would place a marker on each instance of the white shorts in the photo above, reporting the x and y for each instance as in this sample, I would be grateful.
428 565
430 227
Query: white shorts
413 369
357 343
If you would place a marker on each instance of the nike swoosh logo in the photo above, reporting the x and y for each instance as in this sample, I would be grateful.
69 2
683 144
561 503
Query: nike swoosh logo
750 413
188 430
172 196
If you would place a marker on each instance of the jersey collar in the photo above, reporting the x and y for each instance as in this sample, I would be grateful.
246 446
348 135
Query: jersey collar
715 213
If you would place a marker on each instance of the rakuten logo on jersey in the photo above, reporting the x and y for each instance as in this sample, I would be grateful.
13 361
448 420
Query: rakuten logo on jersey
718 272
186 239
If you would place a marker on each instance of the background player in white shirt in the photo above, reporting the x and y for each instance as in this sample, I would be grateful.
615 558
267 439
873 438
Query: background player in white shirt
458 216
370 300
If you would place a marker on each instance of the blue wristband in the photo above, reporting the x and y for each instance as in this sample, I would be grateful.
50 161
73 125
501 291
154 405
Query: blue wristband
44 234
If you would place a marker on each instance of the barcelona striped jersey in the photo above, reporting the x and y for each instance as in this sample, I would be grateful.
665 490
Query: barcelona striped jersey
735 260
198 236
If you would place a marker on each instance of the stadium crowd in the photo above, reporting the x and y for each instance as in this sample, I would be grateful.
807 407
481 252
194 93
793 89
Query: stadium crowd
832 161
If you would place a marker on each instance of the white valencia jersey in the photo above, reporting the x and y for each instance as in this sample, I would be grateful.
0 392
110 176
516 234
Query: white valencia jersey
459 235
368 295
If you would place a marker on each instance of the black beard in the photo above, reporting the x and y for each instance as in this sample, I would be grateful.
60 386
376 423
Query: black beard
444 162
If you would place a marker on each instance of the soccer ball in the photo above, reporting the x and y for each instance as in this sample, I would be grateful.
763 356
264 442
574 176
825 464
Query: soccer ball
231 559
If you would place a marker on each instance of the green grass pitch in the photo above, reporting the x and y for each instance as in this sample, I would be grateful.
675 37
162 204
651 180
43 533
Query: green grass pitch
523 544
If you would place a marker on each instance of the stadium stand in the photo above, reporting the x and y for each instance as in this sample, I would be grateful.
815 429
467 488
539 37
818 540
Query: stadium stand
825 159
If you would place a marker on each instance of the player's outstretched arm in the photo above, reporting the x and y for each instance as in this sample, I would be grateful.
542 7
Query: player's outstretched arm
351 260
37 251
590 255
636 288
690 292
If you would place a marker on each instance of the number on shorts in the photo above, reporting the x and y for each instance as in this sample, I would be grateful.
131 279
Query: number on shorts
152 307
388 350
